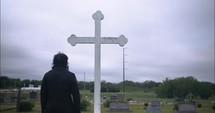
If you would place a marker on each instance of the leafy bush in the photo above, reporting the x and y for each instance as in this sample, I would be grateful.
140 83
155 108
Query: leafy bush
26 106
84 105
184 86
107 103
213 105
199 105
146 104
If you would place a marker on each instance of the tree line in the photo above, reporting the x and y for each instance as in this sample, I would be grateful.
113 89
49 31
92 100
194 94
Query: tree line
117 87
6 82
181 87
185 87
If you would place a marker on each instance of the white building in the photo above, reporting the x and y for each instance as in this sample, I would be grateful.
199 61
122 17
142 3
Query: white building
31 88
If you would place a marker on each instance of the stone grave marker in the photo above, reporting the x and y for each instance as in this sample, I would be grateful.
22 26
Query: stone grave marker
186 108
155 103
7 97
119 107
154 107
213 105
120 97
18 100
113 98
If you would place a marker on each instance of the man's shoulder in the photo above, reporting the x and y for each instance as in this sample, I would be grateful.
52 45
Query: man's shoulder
71 73
62 73
48 72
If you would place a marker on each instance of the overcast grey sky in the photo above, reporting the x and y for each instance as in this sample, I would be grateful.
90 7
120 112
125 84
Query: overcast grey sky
166 38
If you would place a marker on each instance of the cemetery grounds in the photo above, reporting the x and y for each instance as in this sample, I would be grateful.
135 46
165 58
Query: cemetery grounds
136 106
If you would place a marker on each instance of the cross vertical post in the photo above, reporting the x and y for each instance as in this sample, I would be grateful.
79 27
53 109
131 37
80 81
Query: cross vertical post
97 40
98 16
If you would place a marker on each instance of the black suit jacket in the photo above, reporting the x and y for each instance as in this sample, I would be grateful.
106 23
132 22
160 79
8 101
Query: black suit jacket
59 92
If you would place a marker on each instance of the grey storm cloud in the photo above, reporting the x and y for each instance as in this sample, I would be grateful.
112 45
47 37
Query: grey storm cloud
166 39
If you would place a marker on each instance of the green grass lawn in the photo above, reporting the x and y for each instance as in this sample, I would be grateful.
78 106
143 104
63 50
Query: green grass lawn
136 107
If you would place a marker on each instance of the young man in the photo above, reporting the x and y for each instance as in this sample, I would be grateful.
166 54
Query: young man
59 90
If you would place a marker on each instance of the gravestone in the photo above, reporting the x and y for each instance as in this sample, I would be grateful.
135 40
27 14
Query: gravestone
113 98
154 107
120 97
8 97
18 100
33 95
119 107
177 102
155 103
213 105
186 108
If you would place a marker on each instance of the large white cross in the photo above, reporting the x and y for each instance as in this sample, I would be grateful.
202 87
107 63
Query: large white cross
97 40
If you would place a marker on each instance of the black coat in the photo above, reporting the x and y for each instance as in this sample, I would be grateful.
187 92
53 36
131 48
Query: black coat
59 92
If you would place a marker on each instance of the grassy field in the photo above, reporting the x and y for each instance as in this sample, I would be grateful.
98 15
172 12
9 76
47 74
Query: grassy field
136 107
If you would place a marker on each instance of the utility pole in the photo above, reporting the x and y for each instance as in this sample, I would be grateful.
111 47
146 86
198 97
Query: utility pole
123 72
84 81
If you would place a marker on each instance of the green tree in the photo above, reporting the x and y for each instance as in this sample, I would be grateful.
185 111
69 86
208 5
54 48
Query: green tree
36 82
184 86
26 82
4 82
205 90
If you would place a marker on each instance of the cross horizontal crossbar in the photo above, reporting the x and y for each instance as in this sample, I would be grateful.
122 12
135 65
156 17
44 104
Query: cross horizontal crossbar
121 40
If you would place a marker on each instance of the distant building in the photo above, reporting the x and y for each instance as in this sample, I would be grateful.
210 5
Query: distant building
31 88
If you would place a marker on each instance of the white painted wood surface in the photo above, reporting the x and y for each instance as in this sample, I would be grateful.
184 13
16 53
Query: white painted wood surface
97 40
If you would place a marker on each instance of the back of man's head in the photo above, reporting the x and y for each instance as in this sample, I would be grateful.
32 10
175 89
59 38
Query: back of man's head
60 60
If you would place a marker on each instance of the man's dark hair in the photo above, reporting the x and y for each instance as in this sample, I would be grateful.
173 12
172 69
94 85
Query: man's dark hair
60 60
